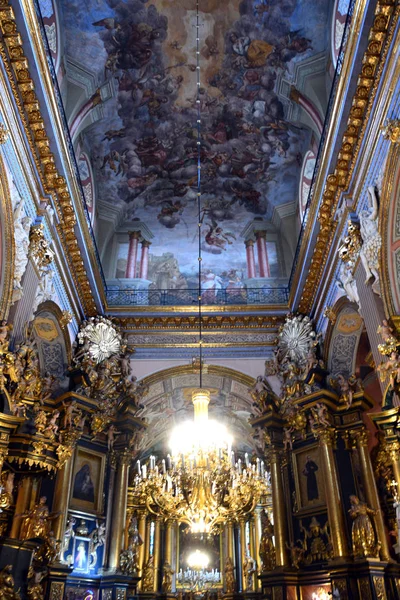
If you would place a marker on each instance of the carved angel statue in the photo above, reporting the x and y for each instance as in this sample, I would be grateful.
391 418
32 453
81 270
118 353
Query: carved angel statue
287 438
320 415
7 585
372 241
51 428
390 342
22 224
6 489
111 435
168 572
249 567
97 539
259 393
229 576
346 387
347 282
69 410
391 369
362 532
68 534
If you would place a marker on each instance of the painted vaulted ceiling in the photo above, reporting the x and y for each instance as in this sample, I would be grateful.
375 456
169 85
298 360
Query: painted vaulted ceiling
140 142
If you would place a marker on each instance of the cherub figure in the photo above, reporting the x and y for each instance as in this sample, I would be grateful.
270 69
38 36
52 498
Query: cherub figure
347 387
69 410
287 438
259 392
111 434
296 553
390 368
51 429
320 415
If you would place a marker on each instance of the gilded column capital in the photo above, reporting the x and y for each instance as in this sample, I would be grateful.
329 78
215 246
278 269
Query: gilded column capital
125 458
359 437
326 435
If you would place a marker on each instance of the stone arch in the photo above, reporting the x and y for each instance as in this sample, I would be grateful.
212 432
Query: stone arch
389 220
53 342
169 402
7 244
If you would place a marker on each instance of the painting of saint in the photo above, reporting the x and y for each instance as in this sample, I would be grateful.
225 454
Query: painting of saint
309 471
83 484
310 490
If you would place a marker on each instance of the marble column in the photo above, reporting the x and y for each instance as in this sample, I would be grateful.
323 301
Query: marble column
263 266
251 262
21 505
61 498
279 511
360 436
334 500
119 510
144 260
132 254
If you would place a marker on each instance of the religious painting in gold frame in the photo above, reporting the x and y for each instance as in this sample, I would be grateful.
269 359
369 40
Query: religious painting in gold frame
87 480
309 478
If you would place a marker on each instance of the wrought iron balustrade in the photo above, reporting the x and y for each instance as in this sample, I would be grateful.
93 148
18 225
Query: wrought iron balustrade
189 297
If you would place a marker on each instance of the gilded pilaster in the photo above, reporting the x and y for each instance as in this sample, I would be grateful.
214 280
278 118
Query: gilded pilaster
257 540
230 540
279 510
119 509
142 532
242 525
334 501
22 505
157 551
360 438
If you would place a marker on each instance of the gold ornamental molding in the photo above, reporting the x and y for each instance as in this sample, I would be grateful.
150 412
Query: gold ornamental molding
191 323
380 36
9 244
23 89
208 369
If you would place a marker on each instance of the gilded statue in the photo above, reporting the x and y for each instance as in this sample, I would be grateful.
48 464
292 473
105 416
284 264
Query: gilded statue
148 576
362 532
346 387
35 588
267 548
7 585
249 567
389 340
35 522
259 394
229 576
391 369
7 488
319 416
319 547
168 572
296 553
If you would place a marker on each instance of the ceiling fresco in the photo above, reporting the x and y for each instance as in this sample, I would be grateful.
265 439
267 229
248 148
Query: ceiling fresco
143 151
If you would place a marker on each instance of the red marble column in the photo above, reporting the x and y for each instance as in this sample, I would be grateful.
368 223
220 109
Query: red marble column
263 265
251 263
132 254
144 260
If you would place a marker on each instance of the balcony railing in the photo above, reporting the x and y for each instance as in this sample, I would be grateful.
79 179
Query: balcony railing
190 297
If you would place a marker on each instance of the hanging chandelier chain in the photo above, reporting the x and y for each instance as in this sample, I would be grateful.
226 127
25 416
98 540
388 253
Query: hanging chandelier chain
198 105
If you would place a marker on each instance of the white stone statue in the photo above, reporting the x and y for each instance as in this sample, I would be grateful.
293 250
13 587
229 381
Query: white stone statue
372 241
45 290
347 282
22 225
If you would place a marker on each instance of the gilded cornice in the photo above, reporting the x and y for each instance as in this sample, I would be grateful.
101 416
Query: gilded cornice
380 36
218 322
23 89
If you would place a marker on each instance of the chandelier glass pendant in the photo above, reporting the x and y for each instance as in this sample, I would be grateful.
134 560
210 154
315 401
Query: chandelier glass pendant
200 483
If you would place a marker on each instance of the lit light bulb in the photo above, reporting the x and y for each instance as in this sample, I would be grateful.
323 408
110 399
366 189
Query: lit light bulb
198 560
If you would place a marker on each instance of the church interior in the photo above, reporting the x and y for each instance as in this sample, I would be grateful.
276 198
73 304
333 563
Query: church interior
199 300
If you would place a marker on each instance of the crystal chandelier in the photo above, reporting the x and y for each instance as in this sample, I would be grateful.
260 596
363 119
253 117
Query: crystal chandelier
197 576
201 483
